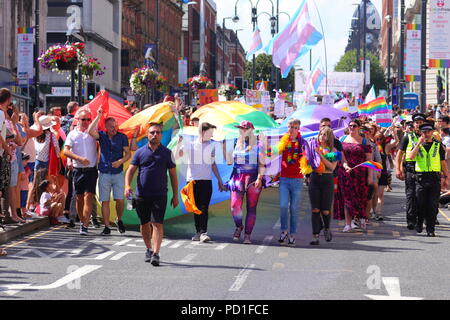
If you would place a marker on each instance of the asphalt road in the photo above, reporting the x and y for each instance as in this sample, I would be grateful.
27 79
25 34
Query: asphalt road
387 261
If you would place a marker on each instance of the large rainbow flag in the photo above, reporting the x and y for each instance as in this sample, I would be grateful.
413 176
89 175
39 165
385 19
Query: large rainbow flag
376 106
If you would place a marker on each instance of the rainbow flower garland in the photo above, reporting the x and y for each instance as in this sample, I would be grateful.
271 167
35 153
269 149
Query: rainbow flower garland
293 150
306 168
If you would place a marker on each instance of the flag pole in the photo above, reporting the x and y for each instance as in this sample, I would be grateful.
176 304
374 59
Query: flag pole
325 47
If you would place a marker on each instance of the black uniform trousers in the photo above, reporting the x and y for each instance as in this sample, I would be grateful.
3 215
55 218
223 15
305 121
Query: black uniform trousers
428 193
410 190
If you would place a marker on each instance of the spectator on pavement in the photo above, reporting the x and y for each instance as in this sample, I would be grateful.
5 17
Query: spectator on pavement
114 152
153 162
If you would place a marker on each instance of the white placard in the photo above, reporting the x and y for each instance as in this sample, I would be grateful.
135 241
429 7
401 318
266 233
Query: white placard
413 51
439 38
25 54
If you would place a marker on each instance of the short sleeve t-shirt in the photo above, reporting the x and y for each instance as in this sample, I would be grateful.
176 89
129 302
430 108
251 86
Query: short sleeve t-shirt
153 166
44 198
83 145
111 150
200 159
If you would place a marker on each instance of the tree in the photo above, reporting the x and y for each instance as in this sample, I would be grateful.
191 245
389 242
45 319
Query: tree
263 72
348 62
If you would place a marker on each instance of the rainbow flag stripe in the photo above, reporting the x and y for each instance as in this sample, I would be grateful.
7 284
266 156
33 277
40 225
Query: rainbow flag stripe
437 63
376 106
413 26
412 78
25 30
371 165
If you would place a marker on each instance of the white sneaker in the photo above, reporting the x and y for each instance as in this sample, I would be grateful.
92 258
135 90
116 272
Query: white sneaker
63 219
247 239
347 228
204 237
354 225
363 224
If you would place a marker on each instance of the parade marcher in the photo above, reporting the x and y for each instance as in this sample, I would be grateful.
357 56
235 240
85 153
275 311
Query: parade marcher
429 156
352 192
247 179
405 169
153 162
82 149
200 163
291 148
67 120
114 152
321 185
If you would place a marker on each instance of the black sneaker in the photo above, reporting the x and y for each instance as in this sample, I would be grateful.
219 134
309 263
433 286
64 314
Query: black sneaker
83 230
411 226
120 226
283 236
431 234
70 225
148 255
328 235
155 260
106 232
315 241
95 223
419 228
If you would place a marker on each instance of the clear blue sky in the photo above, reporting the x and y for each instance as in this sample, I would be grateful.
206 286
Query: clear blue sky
336 18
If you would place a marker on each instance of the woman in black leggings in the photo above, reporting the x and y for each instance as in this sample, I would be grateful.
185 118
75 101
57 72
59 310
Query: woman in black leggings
321 186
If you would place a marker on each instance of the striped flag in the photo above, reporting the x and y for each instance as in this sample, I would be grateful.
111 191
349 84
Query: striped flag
376 106
315 79
294 41
256 44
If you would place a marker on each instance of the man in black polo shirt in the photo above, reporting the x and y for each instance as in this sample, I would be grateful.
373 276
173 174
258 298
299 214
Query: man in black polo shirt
153 162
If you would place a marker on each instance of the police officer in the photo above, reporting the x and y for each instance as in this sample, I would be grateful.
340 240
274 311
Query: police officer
429 155
405 169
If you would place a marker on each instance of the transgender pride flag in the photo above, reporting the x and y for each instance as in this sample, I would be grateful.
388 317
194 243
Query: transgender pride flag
256 44
315 79
294 41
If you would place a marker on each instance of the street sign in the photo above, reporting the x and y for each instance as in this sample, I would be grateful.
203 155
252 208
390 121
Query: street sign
25 54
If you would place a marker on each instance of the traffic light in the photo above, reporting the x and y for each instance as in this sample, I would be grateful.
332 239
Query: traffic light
91 90
238 83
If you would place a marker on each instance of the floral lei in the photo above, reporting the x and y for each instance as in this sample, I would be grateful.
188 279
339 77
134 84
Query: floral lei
293 149
306 168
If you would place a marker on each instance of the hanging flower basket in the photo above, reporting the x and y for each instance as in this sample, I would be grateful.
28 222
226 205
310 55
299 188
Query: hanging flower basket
62 57
227 90
143 79
200 82
162 84
90 66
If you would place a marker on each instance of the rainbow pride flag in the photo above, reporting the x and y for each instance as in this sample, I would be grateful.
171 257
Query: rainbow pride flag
376 106
25 30
371 165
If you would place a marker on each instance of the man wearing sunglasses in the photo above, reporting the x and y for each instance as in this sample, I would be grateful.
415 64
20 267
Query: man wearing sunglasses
81 148
405 169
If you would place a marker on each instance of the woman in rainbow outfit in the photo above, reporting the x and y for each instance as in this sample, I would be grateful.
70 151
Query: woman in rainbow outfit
291 147
320 163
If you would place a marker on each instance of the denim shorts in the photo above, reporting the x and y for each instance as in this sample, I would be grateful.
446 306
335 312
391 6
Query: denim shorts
106 182
14 174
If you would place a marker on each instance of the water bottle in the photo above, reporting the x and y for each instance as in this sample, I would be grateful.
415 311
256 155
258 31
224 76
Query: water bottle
130 202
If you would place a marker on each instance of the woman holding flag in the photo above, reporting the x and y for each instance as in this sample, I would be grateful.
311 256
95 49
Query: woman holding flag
351 196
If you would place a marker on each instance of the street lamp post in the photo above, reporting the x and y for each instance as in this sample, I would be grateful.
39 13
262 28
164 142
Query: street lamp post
223 48
423 60
236 54
401 69
358 36
364 43
36 54
389 19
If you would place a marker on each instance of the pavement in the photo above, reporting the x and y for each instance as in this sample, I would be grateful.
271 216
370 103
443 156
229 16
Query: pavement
387 261
11 231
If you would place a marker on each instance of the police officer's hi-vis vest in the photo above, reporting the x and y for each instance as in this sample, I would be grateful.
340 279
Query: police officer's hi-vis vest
429 161
412 142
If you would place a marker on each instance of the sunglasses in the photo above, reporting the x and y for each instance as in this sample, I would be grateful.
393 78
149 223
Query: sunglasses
85 119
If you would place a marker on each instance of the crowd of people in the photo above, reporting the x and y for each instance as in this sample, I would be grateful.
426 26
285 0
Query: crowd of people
52 168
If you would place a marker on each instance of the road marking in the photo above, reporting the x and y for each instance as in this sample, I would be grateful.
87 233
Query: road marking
392 285
448 219
63 241
221 246
241 278
121 255
177 244
104 255
188 258
33 237
13 289
121 243
278 266
277 225
165 242
262 248
38 253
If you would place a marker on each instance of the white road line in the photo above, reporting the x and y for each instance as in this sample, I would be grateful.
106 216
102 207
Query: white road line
221 246
188 258
121 255
63 241
277 225
262 248
177 244
104 255
165 242
121 243
241 278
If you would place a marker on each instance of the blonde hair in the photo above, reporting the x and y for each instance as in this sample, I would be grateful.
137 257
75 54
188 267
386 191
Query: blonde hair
252 140
329 134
